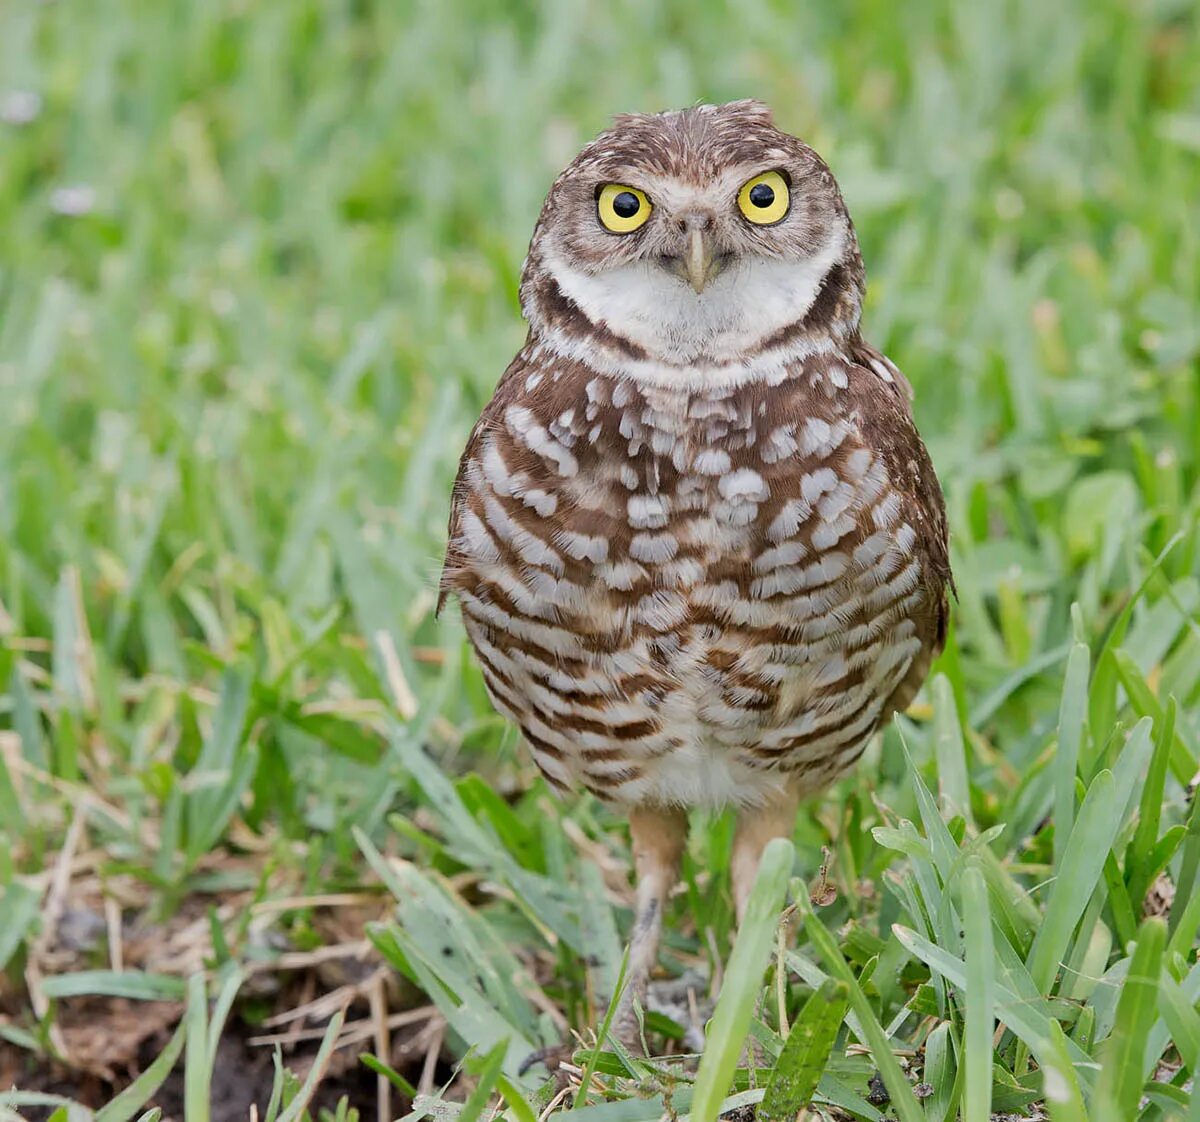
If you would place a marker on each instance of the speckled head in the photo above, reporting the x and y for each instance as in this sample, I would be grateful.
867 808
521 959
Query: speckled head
703 235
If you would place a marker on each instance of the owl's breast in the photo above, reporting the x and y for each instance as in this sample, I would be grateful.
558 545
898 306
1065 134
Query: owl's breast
689 597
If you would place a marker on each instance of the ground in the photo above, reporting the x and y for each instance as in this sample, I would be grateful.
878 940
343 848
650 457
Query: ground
258 277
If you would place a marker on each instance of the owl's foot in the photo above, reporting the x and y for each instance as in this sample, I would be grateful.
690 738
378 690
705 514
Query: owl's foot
685 1000
551 1057
626 1033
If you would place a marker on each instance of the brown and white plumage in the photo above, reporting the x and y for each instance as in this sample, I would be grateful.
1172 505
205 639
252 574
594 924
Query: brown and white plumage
698 543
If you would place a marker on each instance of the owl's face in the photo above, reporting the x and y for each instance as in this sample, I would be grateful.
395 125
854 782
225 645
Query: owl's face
699 235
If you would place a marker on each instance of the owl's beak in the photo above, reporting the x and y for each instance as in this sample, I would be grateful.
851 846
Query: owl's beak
699 260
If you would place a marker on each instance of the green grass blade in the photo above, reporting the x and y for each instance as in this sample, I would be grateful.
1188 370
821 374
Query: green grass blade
1185 931
19 906
375 1064
600 936
1072 715
25 721
488 1076
1082 865
1102 701
1182 1020
220 1011
1122 1073
942 1074
1089 956
1193 1110
1182 763
729 1028
298 1105
132 984
1132 760
945 852
805 1054
949 749
1150 806
980 998
1060 1085
1187 888
278 1079
602 1036
903 1100
518 1105
12 813
197 1063
224 770
1119 903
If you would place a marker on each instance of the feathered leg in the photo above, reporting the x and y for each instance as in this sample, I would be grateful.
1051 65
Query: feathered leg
756 826
659 835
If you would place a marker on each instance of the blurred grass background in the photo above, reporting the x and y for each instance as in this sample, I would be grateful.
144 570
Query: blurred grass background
258 268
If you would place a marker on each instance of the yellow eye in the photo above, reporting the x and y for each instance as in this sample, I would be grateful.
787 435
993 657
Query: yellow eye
764 199
622 209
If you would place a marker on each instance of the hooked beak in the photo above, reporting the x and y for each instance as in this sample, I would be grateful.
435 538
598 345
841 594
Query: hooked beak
698 261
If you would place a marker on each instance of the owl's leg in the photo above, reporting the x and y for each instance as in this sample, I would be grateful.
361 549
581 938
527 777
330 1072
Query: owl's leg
659 835
757 825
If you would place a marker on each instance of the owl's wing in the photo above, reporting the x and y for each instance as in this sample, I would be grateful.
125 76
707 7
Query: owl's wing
884 369
889 415
488 419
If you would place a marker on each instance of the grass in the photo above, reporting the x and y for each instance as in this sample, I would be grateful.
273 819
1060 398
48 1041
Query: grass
258 276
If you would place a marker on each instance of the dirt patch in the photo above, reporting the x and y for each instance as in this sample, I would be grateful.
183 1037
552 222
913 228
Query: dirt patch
244 1074
244 1068
305 958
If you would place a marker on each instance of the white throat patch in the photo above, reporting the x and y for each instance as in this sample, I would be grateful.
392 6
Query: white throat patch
752 300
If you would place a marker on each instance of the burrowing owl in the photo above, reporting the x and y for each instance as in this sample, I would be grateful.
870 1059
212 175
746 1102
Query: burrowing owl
698 543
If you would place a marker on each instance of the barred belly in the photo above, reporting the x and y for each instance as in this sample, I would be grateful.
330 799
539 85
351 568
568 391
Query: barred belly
690 598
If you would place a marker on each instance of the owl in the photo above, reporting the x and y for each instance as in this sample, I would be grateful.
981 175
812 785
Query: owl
699 546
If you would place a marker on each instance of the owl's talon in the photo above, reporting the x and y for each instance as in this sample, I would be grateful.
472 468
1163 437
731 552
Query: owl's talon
551 1056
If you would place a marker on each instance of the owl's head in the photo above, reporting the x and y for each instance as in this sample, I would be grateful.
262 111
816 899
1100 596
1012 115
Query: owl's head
704 235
